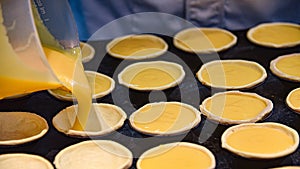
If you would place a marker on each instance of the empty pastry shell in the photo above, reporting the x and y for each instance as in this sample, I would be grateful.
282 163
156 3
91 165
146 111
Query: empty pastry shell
23 161
105 119
136 47
94 154
204 40
21 127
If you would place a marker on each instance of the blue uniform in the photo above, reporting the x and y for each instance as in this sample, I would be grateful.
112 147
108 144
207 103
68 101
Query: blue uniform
92 15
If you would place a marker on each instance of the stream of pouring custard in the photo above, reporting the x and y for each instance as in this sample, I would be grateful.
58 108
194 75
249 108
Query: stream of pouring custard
70 72
17 77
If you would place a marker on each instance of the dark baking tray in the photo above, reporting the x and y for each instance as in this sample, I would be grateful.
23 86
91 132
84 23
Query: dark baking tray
190 91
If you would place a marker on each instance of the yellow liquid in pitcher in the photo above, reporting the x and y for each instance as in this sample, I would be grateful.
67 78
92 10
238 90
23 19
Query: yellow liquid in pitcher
18 78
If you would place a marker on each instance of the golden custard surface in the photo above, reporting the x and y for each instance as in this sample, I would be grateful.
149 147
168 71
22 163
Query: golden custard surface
235 106
278 34
290 65
294 98
177 157
20 125
231 74
163 117
137 46
152 77
262 140
205 39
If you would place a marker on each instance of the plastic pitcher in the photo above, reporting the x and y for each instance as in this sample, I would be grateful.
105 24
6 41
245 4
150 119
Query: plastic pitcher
26 26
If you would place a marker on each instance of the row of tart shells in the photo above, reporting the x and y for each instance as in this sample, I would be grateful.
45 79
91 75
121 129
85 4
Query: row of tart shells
181 46
112 117
189 39
109 154
128 160
68 115
64 119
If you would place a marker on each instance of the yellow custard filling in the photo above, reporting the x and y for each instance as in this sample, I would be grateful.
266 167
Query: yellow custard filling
137 46
98 84
290 65
205 39
294 98
163 117
152 77
177 157
235 106
231 74
277 34
259 139
86 51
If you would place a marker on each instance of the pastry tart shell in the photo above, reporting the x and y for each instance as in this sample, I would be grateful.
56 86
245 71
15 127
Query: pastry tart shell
225 121
289 131
174 70
164 148
272 44
95 154
179 40
249 85
186 128
28 161
151 38
108 116
21 127
275 70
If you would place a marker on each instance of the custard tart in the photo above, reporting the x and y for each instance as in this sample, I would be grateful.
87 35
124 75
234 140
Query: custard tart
177 155
101 85
260 140
165 118
231 74
235 107
287 67
102 119
136 47
154 75
275 34
204 40
293 100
